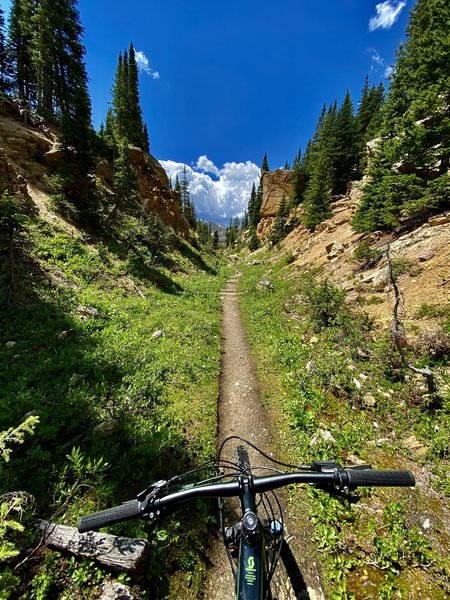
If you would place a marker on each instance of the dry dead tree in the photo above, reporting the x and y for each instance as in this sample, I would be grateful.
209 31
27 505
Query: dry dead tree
397 333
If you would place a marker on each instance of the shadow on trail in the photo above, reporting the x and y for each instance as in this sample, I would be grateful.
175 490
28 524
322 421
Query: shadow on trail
294 573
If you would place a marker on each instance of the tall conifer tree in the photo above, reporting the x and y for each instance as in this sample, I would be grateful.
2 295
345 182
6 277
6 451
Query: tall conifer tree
128 120
346 152
20 34
5 70
317 194
416 128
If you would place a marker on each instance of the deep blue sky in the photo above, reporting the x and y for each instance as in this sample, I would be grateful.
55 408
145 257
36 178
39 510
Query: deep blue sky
241 77
237 78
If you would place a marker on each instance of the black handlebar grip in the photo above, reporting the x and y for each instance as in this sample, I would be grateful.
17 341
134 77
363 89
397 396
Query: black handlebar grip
371 477
116 514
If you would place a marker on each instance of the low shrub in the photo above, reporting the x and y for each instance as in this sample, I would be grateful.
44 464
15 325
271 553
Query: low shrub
324 302
434 343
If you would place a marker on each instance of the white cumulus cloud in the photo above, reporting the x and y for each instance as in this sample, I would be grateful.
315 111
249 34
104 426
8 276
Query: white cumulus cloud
222 197
206 165
143 64
387 13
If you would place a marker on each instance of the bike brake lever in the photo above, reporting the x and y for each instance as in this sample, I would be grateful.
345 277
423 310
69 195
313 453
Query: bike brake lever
147 496
339 493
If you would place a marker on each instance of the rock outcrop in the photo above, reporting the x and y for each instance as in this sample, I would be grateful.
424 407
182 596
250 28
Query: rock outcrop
276 185
30 148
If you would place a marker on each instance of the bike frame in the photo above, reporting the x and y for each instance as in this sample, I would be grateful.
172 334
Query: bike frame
251 580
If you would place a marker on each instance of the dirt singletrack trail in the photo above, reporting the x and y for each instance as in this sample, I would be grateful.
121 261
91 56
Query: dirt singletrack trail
242 413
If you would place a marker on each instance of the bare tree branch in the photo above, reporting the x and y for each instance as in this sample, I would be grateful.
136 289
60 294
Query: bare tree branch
397 333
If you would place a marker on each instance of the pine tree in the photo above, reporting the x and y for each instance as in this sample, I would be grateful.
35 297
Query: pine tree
136 124
5 67
146 139
109 126
20 34
125 183
369 118
252 208
127 112
298 180
177 187
278 231
215 243
416 128
245 221
187 206
265 163
317 194
44 48
347 149
253 241
119 97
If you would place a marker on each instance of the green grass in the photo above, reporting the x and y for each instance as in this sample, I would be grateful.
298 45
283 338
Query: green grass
136 408
317 360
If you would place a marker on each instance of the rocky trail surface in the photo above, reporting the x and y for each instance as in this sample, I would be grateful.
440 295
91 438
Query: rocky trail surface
241 413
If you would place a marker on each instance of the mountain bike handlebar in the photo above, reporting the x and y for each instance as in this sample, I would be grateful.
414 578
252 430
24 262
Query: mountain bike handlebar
156 500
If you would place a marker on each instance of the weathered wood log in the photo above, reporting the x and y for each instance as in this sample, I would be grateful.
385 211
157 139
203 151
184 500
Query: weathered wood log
114 552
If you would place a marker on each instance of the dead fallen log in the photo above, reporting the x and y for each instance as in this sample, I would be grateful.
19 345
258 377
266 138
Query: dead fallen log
118 553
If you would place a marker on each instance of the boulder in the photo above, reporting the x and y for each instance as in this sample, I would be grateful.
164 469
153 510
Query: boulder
334 249
54 156
87 311
136 155
321 227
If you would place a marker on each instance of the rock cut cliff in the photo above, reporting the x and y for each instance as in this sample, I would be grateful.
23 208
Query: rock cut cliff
30 149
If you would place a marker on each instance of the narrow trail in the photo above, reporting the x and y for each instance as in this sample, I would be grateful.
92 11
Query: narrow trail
241 413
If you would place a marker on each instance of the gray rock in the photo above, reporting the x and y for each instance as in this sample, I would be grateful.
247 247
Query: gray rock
113 590
334 249
380 280
10 344
265 284
322 435
321 227
54 156
158 334
427 255
87 311
369 401
412 444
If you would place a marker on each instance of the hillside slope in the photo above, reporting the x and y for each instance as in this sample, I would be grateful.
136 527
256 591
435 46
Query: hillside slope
110 344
